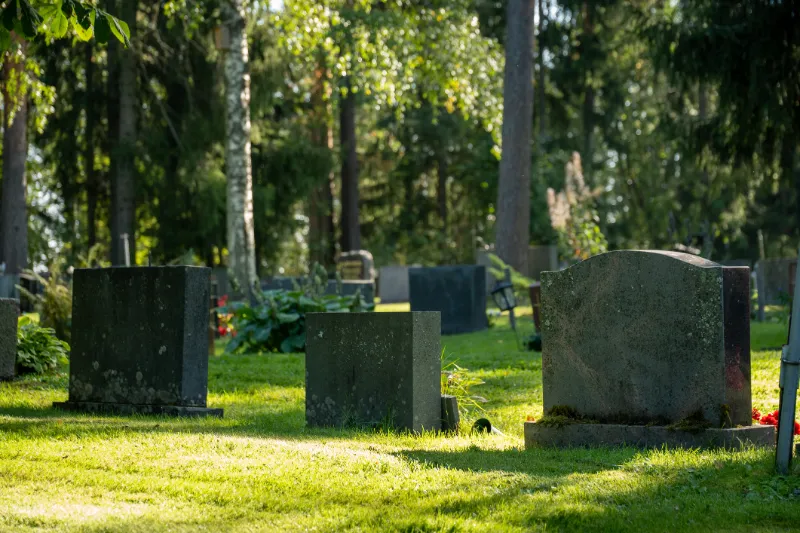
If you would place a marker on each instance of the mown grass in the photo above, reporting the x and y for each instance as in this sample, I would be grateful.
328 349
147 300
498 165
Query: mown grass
260 469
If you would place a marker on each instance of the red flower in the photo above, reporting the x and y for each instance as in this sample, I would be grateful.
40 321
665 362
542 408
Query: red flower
222 331
223 300
756 414
796 427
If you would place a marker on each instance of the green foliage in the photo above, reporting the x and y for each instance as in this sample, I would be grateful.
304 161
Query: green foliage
498 268
55 304
458 381
38 348
54 18
277 323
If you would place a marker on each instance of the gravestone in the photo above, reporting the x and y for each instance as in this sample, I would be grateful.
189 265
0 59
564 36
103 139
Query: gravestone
393 284
370 369
774 277
346 288
457 292
140 341
9 312
636 339
356 265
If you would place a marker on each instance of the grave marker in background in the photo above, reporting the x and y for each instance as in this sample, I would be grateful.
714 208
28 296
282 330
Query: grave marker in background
457 292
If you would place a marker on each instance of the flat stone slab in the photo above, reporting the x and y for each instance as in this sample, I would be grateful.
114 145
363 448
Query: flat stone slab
132 409
612 435
457 292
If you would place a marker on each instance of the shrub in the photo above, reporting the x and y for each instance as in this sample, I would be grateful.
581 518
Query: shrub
55 304
277 323
38 348
458 381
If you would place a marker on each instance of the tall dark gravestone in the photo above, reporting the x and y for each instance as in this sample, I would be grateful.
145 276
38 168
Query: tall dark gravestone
457 292
140 341
642 343
9 312
368 369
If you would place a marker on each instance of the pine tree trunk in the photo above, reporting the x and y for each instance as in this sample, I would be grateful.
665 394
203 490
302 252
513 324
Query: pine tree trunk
513 197
322 239
13 209
238 164
442 169
542 79
88 157
123 181
350 226
588 97
111 141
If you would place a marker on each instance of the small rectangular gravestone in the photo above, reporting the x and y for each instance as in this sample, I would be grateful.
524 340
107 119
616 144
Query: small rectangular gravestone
647 339
393 284
9 313
457 292
140 341
774 280
373 369
356 265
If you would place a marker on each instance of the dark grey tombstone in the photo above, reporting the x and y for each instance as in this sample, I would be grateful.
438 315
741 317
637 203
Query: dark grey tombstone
450 415
346 288
393 284
140 341
773 276
646 338
356 265
370 369
457 292
9 313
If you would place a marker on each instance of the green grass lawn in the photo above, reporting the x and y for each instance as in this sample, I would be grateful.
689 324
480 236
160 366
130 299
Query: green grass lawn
260 469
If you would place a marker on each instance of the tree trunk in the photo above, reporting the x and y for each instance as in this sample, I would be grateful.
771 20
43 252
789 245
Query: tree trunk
88 158
708 240
542 77
322 237
13 209
351 228
442 169
238 164
110 141
588 98
123 181
513 197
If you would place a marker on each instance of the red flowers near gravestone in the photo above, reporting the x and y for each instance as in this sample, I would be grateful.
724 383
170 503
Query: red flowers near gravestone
771 419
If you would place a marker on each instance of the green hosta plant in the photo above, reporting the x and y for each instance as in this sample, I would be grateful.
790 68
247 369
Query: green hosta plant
38 348
277 323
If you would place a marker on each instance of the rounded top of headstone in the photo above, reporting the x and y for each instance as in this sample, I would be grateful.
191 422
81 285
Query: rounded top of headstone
617 255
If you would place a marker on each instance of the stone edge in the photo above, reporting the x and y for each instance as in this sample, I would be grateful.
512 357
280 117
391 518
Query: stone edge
614 435
135 409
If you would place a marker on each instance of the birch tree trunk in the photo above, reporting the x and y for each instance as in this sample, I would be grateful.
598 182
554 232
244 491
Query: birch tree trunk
351 226
13 209
123 180
238 165
513 196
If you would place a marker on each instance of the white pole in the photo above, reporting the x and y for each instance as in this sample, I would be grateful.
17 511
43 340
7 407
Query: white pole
789 378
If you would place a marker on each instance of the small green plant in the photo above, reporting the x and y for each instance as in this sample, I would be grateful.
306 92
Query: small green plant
38 348
277 323
458 381
520 281
54 305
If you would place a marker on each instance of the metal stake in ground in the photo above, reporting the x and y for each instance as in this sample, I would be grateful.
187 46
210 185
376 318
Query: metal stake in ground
788 381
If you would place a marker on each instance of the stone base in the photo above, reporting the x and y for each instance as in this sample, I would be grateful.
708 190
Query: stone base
132 409
588 435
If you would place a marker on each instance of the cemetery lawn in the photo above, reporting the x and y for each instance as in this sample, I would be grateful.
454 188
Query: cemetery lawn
260 469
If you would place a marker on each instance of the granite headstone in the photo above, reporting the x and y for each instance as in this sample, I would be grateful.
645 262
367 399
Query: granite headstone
645 338
457 292
140 341
774 280
393 284
369 369
356 265
9 313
